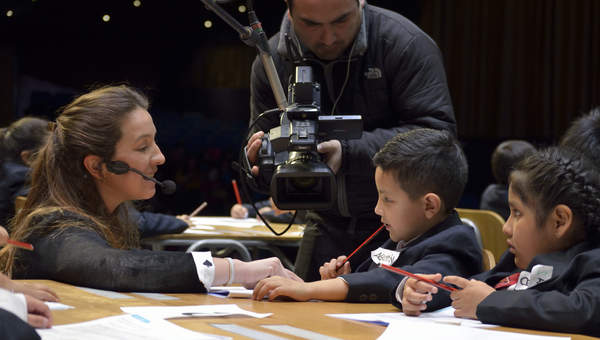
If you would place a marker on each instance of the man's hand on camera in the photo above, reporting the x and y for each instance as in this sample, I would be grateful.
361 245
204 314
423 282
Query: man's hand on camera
252 150
332 149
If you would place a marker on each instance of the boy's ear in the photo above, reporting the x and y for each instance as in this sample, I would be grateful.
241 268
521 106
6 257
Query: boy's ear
432 204
93 164
562 221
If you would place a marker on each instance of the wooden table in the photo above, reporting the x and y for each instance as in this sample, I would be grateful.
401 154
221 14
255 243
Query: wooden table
304 315
256 237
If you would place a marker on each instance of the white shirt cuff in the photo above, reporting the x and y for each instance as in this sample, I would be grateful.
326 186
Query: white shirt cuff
400 289
14 303
205 267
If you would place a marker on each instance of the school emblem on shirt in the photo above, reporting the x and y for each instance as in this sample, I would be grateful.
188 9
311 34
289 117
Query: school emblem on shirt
384 256
539 273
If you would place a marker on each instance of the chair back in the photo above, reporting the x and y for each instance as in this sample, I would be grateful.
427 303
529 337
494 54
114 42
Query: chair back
488 260
490 225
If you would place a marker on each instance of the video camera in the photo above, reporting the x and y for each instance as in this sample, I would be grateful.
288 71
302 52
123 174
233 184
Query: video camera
288 157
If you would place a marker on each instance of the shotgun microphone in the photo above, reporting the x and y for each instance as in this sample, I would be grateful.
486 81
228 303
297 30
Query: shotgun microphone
167 187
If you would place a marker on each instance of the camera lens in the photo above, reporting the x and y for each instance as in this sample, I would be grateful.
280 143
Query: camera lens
303 183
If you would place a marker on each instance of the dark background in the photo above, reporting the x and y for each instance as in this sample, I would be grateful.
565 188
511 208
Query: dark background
516 69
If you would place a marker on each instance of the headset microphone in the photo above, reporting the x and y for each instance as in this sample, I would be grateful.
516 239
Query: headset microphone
118 167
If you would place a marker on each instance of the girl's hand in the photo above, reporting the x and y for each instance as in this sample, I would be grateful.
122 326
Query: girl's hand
466 299
417 293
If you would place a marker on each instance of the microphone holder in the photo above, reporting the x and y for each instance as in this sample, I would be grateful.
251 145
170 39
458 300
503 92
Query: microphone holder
254 36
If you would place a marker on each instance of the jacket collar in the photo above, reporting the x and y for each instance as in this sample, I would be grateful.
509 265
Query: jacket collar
286 27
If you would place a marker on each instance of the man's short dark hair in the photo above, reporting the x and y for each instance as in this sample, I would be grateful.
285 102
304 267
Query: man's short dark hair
506 155
290 4
426 160
584 136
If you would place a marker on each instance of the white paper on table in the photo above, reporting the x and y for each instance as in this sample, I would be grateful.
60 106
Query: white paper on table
407 329
57 305
123 327
201 232
244 223
444 315
206 311
201 226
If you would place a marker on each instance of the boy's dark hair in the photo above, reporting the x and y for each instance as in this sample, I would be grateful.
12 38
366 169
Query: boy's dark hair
584 136
506 155
426 160
560 176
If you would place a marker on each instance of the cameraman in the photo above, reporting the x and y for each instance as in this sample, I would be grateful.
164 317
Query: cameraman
369 61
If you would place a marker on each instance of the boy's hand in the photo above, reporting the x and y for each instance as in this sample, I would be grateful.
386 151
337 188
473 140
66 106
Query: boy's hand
332 269
466 299
417 293
279 286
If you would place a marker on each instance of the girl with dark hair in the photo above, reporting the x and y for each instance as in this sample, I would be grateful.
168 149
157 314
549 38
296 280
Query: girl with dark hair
549 278
18 144
76 212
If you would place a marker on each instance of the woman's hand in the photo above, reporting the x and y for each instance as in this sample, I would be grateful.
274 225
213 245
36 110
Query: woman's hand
249 273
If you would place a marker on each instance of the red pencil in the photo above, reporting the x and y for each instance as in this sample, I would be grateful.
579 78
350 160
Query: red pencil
20 244
236 191
362 244
417 277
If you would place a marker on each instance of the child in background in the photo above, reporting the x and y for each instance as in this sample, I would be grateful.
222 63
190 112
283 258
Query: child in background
420 176
584 136
549 278
19 143
268 210
505 156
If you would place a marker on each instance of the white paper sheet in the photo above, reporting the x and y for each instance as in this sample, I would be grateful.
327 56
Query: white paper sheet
123 327
57 305
201 232
407 329
445 315
244 223
207 311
